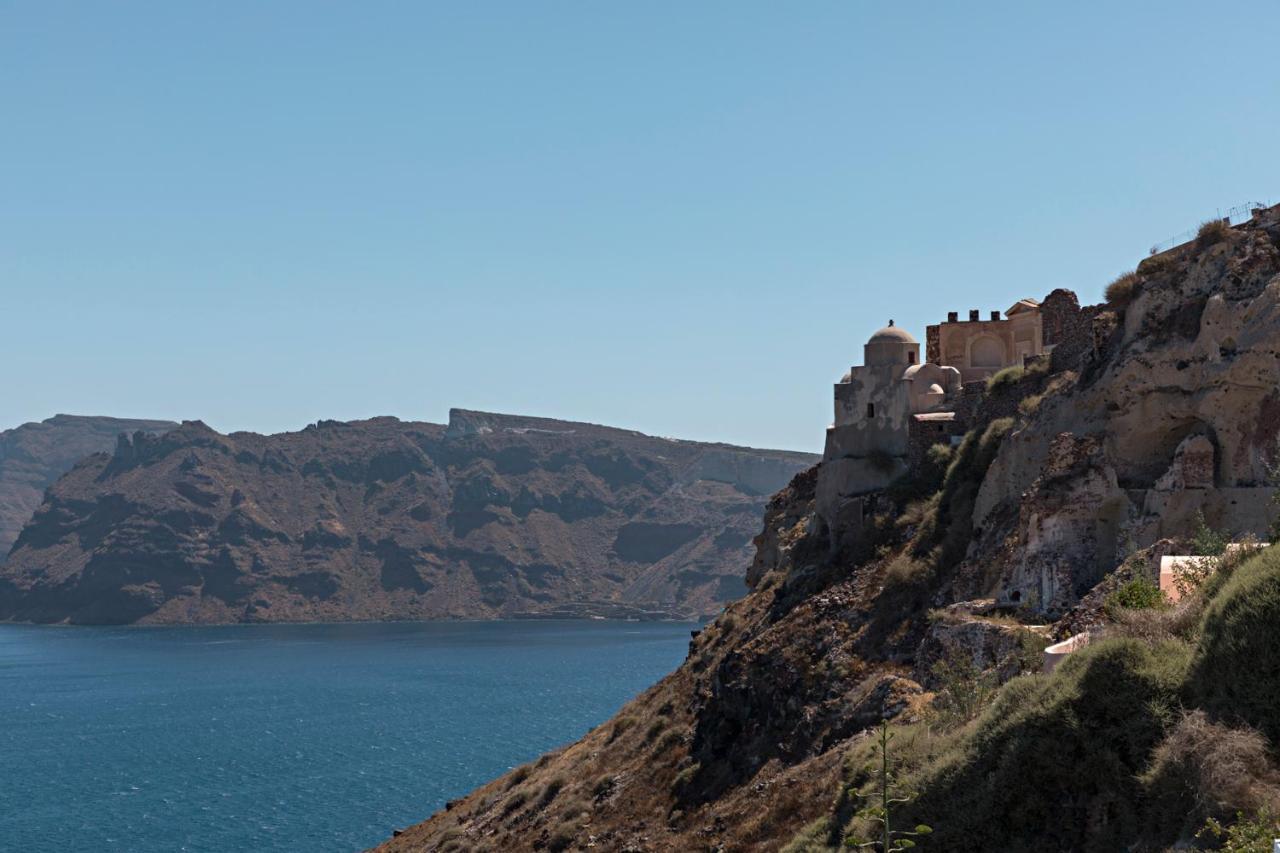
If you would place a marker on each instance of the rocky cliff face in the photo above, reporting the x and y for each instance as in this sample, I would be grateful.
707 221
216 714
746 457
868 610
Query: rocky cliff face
491 515
34 455
914 603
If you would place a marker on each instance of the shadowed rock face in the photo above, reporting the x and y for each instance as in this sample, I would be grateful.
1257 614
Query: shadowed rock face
491 515
34 455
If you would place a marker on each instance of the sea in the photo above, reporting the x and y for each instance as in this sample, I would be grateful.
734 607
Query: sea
291 737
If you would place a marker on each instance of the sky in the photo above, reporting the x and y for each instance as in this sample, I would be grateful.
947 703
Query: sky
681 218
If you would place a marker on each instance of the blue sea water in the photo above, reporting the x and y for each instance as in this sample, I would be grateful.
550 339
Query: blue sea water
290 737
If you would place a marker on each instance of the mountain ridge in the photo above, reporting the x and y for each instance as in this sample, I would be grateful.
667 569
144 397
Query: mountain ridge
34 455
489 515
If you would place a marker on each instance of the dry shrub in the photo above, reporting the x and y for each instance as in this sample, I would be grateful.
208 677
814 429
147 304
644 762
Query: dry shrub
1028 405
518 775
1008 376
620 726
1212 232
562 837
515 802
1123 289
1204 769
549 793
1154 625
669 740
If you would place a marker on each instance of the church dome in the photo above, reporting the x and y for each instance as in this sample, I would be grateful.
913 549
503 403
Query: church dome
892 334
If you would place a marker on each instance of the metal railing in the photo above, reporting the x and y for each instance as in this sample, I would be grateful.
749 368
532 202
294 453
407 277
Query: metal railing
1232 216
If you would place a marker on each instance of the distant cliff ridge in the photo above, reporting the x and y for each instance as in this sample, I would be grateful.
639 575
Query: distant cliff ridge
34 455
489 516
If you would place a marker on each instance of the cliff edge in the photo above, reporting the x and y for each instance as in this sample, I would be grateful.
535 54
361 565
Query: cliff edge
1151 430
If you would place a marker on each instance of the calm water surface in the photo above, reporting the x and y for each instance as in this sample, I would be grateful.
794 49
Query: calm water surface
298 737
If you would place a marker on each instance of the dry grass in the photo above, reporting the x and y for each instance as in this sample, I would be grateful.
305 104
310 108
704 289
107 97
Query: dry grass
518 775
1123 289
1154 625
620 725
1226 770
1212 232
549 793
1007 376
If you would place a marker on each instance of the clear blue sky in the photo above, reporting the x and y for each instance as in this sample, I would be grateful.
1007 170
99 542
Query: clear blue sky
683 218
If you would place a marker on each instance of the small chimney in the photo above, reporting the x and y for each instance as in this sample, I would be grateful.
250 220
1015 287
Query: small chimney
995 315
973 315
953 316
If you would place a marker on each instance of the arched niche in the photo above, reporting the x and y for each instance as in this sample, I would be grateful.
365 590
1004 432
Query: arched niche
986 351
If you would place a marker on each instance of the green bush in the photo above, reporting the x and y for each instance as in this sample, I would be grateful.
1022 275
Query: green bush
963 690
1008 376
1123 289
924 479
1236 673
1245 835
951 525
1053 762
1207 542
1137 594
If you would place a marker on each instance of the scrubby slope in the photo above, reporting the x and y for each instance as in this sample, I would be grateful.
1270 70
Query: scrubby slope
952 584
492 515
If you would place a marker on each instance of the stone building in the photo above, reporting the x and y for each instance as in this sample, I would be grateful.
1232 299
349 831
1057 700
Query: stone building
979 348
868 442
892 408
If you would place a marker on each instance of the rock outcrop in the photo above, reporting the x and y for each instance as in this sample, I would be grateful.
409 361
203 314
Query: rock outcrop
34 455
1174 413
491 515
1146 419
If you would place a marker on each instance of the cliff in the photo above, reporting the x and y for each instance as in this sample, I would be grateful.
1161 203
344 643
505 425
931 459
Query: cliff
34 455
491 515
1151 429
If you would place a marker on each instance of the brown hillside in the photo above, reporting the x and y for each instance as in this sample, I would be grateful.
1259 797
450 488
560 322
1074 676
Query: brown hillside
950 582
34 455
492 515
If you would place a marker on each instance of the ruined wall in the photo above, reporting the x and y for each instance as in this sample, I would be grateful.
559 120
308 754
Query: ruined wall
1069 329
925 433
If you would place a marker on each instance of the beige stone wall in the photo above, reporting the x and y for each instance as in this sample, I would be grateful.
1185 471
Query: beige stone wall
979 348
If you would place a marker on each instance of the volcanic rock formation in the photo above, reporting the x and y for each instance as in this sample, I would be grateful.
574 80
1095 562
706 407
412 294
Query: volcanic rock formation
34 455
491 515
